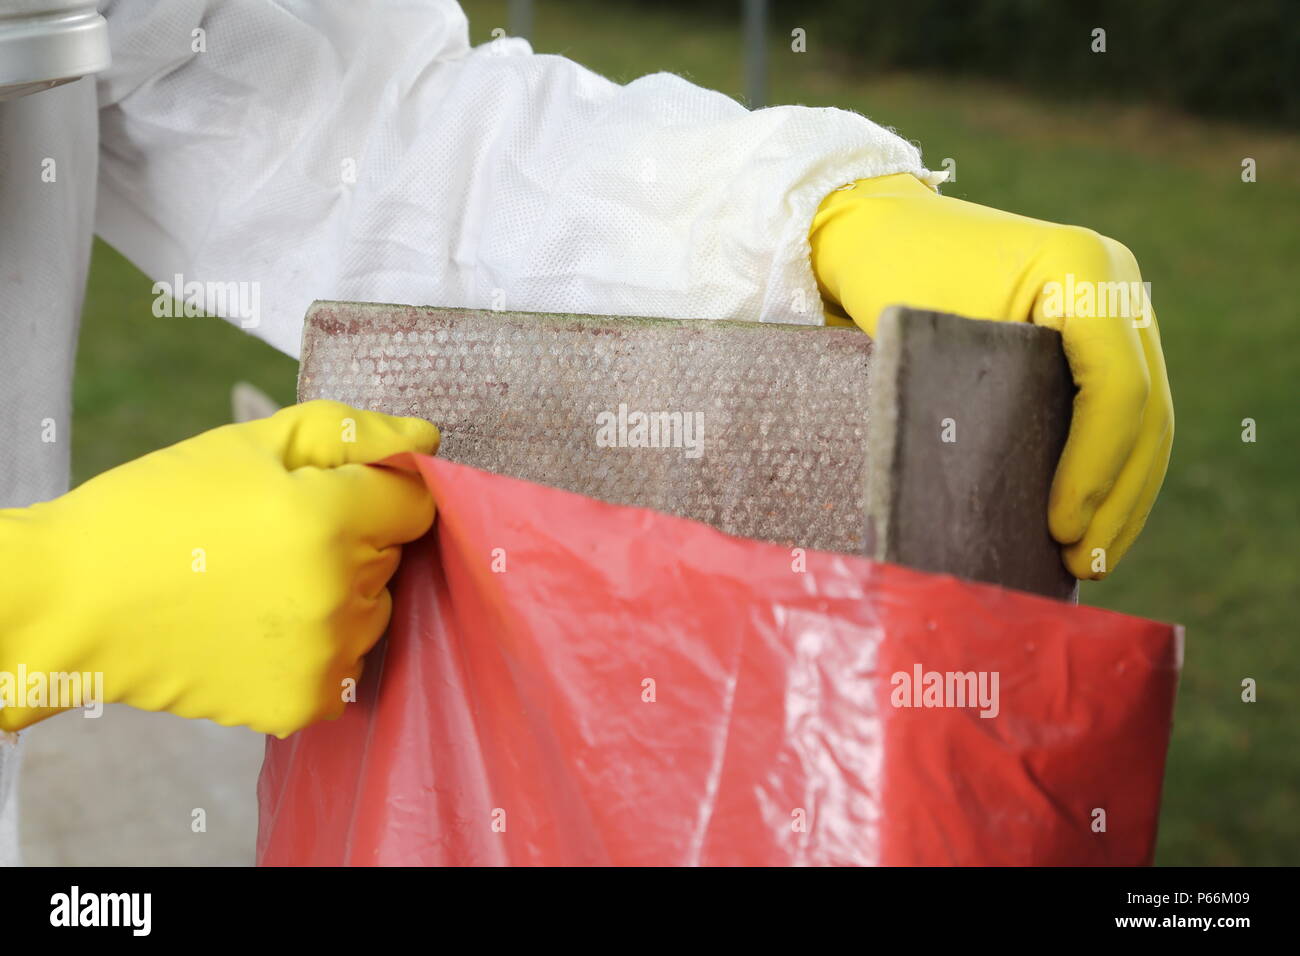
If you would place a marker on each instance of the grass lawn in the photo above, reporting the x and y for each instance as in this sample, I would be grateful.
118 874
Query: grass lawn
1219 553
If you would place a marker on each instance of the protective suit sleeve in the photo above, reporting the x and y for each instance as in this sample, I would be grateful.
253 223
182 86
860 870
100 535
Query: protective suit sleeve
366 151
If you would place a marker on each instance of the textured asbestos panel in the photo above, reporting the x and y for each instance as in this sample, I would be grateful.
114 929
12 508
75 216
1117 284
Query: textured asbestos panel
519 394
782 411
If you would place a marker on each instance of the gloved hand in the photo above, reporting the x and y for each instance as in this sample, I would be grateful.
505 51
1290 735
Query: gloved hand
893 240
238 575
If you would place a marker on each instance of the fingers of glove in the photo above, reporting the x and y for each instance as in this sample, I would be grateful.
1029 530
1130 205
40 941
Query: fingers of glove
1121 517
366 626
328 434
1123 514
1094 555
1110 368
1112 391
362 624
1146 501
373 574
328 706
377 506
334 688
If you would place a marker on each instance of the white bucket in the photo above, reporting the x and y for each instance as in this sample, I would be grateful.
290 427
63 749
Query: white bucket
45 43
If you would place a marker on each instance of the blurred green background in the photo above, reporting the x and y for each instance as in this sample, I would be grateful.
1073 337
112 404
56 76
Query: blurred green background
1237 60
1219 552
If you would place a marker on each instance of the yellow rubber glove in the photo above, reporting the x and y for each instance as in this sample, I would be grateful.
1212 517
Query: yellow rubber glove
893 240
239 575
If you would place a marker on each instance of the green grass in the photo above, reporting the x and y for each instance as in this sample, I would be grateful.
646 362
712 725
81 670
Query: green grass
1218 554
144 382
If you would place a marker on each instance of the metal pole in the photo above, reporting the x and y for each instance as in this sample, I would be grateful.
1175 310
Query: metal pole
519 19
756 53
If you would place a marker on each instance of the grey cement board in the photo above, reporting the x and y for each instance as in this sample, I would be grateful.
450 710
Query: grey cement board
784 420
968 419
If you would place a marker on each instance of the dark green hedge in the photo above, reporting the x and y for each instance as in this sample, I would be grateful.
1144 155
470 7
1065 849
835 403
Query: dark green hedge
1231 58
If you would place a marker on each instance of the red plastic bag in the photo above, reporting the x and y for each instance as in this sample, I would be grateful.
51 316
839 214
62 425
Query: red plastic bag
570 682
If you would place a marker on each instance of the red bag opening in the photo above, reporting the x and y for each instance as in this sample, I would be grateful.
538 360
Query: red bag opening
567 682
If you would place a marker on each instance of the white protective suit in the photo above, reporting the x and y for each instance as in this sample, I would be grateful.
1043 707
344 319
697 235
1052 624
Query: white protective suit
363 150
